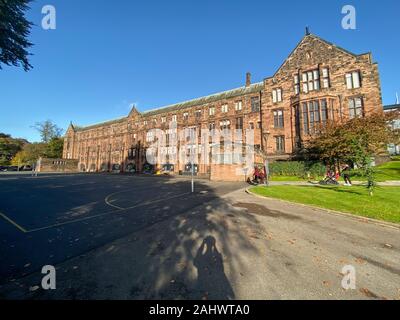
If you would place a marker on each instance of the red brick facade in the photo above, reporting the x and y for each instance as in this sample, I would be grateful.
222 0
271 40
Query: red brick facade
317 82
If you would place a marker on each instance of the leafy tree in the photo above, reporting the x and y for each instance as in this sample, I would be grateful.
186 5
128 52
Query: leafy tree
32 152
9 147
55 148
48 130
14 30
356 141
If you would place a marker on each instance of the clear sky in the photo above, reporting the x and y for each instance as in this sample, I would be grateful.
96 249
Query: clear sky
106 55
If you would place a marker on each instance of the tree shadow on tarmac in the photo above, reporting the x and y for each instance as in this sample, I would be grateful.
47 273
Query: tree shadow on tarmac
189 248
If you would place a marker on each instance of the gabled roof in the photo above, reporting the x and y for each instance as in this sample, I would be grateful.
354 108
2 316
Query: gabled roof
313 36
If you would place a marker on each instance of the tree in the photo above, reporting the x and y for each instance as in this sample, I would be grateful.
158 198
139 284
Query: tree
48 130
356 141
9 147
14 30
55 148
32 152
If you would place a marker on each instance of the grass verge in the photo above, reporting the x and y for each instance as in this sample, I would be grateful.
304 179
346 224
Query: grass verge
384 205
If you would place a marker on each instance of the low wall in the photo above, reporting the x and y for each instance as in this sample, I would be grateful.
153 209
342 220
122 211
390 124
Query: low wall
229 172
57 165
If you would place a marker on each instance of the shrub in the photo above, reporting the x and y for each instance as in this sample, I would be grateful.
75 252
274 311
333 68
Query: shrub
297 168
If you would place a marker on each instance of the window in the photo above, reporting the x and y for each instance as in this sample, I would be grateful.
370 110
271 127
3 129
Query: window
211 111
276 95
144 123
353 80
325 78
251 125
198 114
355 108
278 119
224 108
296 80
306 128
311 81
211 126
186 116
324 111
239 123
163 119
238 105
225 124
258 124
280 144
255 104
174 118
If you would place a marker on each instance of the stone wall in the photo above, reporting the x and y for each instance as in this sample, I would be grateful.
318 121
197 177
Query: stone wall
57 165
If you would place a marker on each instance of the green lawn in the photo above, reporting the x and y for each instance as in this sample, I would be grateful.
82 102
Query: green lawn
387 172
384 205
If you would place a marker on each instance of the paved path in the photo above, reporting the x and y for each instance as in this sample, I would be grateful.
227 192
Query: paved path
234 247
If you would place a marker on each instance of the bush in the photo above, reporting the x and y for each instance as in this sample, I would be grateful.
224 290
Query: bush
297 168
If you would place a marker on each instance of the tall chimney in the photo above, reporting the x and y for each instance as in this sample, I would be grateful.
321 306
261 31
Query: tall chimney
248 79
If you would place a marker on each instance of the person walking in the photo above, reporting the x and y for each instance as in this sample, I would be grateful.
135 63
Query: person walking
346 175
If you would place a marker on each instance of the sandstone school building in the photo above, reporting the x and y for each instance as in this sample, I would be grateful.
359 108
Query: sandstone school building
319 81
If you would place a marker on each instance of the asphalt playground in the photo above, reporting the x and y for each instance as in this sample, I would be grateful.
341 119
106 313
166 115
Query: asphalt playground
48 219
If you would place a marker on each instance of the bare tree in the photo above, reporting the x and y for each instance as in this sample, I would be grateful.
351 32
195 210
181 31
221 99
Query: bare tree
48 130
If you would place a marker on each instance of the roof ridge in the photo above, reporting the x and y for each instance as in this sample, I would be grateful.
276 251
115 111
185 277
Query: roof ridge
203 97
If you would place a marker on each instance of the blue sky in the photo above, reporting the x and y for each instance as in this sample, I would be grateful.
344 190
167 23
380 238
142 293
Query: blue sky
106 55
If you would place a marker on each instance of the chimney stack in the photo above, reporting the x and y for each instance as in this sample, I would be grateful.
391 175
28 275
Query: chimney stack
248 79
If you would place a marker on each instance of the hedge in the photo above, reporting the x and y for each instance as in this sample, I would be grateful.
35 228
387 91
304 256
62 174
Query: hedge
297 168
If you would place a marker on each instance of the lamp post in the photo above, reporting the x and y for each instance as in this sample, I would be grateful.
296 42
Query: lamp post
266 164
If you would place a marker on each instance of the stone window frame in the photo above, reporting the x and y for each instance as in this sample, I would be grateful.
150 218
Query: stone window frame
279 120
224 108
313 80
312 118
277 95
239 123
255 99
238 103
326 77
351 75
280 144
358 110
296 83
211 111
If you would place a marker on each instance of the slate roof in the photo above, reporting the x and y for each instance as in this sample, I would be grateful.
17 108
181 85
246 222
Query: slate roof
255 87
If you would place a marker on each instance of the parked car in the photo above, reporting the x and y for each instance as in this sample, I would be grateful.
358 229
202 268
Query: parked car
25 168
11 168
